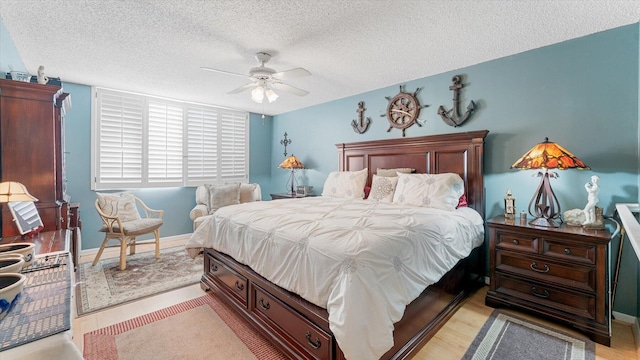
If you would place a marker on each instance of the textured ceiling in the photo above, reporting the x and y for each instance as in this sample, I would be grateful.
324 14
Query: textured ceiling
350 47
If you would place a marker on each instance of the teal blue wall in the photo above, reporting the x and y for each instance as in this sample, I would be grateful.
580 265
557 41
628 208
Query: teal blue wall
9 56
582 94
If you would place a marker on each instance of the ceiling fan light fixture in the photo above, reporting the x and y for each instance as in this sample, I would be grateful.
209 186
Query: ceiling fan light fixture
257 94
271 95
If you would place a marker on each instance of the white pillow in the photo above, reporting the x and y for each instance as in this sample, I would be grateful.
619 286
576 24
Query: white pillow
345 184
383 188
223 195
122 205
394 172
440 191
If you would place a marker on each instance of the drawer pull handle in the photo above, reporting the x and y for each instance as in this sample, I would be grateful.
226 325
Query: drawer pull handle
516 242
239 285
534 267
214 267
316 344
544 295
567 251
264 305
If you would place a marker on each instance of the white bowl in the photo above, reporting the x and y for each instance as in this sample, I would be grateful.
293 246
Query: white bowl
11 285
11 264
26 249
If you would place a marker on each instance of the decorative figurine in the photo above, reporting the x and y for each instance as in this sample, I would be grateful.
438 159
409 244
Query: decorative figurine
41 78
590 209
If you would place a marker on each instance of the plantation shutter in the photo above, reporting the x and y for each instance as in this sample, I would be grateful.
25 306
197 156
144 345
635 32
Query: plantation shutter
202 145
142 141
120 124
165 143
232 149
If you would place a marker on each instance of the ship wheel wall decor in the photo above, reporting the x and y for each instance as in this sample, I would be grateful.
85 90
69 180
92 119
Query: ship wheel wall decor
403 110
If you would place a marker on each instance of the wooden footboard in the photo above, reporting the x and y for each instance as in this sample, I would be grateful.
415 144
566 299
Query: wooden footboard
301 329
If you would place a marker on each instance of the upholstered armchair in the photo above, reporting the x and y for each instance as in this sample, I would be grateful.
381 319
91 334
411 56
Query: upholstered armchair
209 198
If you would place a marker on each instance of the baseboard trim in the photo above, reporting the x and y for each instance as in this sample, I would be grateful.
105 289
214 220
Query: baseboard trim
165 242
628 319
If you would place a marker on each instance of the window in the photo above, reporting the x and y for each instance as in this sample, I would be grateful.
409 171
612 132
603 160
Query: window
141 141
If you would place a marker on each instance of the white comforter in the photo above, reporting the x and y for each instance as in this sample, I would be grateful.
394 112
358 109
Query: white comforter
362 261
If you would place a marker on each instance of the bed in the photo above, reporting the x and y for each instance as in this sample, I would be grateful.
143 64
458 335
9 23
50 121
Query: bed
347 298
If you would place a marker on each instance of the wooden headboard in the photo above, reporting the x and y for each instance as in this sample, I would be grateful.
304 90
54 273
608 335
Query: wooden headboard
459 153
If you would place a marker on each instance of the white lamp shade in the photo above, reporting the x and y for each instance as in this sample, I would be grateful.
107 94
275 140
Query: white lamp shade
271 95
257 94
11 191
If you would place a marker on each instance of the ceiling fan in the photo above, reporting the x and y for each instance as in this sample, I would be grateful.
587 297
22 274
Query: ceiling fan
265 80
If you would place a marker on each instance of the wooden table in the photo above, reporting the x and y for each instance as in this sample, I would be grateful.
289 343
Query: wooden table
46 241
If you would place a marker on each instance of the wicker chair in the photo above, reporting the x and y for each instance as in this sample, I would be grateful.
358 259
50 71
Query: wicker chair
127 231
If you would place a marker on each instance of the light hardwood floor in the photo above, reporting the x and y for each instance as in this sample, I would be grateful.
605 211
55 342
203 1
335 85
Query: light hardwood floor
451 341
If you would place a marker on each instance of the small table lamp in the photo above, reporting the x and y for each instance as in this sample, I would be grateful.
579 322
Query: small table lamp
292 163
547 155
11 191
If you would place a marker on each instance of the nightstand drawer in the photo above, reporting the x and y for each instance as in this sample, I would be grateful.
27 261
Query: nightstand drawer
570 302
518 242
578 277
561 250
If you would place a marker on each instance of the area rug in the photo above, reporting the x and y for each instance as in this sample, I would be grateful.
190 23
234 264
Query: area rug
104 285
505 336
202 328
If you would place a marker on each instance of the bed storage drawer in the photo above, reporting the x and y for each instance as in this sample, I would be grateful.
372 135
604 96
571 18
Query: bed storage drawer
230 281
310 339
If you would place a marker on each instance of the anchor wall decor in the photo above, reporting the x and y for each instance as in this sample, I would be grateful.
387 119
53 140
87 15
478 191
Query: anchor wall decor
455 119
361 126
285 142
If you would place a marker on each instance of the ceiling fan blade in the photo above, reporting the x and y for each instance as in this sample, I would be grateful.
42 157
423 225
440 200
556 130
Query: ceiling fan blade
223 72
292 73
289 88
243 88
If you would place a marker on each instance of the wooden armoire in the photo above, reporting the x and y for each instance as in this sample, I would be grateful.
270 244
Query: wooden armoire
32 148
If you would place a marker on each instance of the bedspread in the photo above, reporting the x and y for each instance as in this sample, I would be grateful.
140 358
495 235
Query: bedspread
361 260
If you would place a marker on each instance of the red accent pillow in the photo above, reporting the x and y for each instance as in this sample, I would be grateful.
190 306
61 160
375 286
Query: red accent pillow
367 190
462 202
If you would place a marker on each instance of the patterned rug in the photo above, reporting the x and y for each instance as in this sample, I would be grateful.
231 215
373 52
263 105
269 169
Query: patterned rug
104 285
505 336
202 328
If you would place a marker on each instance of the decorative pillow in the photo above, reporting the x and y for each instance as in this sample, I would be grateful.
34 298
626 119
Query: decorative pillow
367 191
247 192
383 188
122 205
223 195
393 172
440 191
462 202
345 184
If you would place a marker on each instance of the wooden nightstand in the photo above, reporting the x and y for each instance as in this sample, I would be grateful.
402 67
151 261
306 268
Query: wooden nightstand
560 273
288 196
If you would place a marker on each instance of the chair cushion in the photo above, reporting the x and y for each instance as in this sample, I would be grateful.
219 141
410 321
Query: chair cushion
122 205
137 227
223 195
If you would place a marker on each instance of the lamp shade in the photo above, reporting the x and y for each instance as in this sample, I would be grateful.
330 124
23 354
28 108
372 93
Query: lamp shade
291 162
11 191
549 155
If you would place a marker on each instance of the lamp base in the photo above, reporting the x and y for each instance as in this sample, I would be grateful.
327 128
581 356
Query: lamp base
541 221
